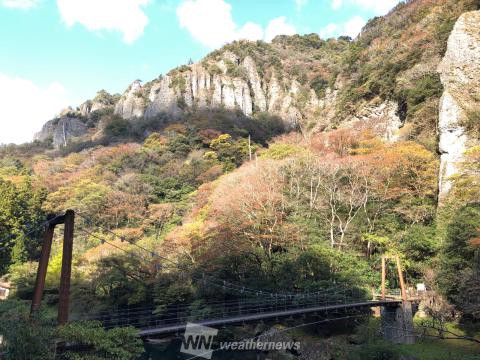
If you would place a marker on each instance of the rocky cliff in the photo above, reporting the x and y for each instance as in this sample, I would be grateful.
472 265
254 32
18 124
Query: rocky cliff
383 81
230 82
236 84
132 103
62 130
460 75
72 124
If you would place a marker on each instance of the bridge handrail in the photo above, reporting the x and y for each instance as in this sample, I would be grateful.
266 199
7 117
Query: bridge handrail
146 318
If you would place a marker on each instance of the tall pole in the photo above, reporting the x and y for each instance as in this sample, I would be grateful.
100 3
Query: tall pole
384 275
66 268
42 268
400 276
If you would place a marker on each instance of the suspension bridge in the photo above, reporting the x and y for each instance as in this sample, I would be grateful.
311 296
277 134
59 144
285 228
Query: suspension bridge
238 312
236 304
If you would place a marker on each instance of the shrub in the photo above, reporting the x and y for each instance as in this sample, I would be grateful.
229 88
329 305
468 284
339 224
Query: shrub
76 147
167 189
308 41
155 142
141 127
95 116
472 121
181 103
117 127
319 84
236 71
104 97
185 68
179 82
376 352
27 340
279 151
442 32
179 145
414 102
98 343
214 70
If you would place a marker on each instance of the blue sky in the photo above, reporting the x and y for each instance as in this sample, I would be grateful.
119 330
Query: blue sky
55 53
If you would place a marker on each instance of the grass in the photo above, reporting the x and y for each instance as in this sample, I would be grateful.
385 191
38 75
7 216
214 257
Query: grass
435 349
425 348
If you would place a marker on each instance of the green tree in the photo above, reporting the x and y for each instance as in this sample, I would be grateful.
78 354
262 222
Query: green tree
459 258
25 340
116 127
230 152
85 196
20 212
117 343
37 340
419 244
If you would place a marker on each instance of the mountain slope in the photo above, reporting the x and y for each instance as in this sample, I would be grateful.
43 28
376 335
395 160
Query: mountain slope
388 74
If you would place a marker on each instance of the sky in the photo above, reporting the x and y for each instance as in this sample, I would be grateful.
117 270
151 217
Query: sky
59 53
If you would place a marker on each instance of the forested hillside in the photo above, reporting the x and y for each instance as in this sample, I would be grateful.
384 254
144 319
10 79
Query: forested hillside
323 158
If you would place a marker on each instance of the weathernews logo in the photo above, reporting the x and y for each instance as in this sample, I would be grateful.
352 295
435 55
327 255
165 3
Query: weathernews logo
198 341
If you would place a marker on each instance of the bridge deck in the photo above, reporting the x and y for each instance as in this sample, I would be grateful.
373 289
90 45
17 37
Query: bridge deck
169 329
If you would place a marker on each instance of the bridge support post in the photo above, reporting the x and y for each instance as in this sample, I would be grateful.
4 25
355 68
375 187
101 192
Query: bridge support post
69 220
397 323
42 269
402 281
64 292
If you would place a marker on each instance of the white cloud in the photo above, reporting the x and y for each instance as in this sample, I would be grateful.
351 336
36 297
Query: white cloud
353 26
20 4
350 28
211 23
250 31
337 4
125 16
329 31
278 26
26 107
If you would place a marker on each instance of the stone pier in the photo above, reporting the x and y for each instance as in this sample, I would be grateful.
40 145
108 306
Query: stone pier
397 323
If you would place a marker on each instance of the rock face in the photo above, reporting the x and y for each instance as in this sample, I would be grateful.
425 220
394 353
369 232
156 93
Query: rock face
132 103
62 130
102 101
460 76
91 106
47 131
452 140
228 83
381 119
